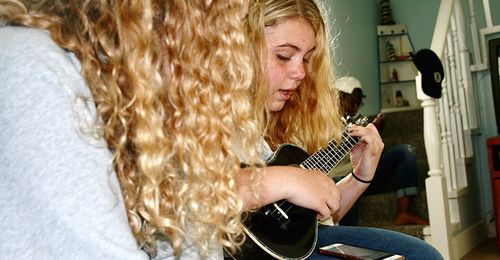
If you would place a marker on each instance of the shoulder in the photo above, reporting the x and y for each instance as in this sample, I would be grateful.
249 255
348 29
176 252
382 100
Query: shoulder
20 45
35 71
28 54
39 79
19 36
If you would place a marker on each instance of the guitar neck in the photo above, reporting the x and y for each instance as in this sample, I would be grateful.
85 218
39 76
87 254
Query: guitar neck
327 158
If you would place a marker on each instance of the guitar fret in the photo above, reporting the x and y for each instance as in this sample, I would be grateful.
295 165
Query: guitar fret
326 159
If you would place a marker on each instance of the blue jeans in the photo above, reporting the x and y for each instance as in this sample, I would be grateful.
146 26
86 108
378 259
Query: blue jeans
397 169
379 239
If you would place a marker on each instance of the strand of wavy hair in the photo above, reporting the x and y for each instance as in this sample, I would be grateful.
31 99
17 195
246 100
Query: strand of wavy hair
166 135
209 97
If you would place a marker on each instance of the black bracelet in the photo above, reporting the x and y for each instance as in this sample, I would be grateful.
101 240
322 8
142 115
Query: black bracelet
360 180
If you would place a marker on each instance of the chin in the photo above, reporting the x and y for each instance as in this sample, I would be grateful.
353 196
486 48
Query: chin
277 107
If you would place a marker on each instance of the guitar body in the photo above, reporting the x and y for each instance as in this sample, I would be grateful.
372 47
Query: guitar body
272 235
285 231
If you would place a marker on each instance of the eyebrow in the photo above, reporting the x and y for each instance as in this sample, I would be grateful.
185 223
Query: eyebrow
294 47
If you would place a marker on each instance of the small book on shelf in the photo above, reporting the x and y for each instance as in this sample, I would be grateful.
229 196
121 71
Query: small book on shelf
345 251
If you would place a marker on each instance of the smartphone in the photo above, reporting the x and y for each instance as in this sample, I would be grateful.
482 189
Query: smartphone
356 253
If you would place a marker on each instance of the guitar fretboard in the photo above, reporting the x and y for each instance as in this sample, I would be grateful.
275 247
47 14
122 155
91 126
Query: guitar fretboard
325 159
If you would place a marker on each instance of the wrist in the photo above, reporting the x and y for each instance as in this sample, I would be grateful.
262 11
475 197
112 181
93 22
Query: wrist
360 179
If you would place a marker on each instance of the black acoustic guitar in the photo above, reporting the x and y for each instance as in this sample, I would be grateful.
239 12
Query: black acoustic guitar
282 230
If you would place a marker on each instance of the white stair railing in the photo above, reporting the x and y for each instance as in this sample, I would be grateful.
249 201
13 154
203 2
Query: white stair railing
449 123
470 109
439 233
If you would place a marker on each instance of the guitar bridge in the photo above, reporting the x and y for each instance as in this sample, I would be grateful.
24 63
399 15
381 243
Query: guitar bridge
278 214
280 211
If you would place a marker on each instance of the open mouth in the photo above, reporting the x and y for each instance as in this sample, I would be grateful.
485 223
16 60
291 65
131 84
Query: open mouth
286 94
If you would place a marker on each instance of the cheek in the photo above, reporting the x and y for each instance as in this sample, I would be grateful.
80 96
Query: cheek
274 76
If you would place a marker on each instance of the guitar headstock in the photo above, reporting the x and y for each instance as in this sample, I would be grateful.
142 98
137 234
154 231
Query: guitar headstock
356 120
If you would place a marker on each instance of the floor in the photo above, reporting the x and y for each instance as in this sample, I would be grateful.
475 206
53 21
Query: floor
486 251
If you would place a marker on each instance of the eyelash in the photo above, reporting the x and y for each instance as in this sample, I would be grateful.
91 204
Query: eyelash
283 58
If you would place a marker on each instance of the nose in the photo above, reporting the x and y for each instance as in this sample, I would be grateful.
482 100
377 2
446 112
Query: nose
299 71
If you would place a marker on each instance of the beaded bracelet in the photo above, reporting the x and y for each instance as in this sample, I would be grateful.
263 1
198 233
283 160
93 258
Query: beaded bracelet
360 180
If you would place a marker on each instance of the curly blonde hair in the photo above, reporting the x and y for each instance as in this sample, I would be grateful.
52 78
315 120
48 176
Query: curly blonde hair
311 117
173 98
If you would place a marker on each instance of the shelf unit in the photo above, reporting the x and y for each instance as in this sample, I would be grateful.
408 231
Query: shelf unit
396 69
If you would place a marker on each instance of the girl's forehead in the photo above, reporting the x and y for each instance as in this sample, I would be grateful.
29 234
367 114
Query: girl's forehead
299 31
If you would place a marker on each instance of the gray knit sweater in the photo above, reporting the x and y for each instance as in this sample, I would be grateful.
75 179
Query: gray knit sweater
59 195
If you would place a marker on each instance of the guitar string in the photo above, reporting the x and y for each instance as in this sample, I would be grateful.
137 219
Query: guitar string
349 143
326 159
345 147
337 156
333 156
328 151
338 152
